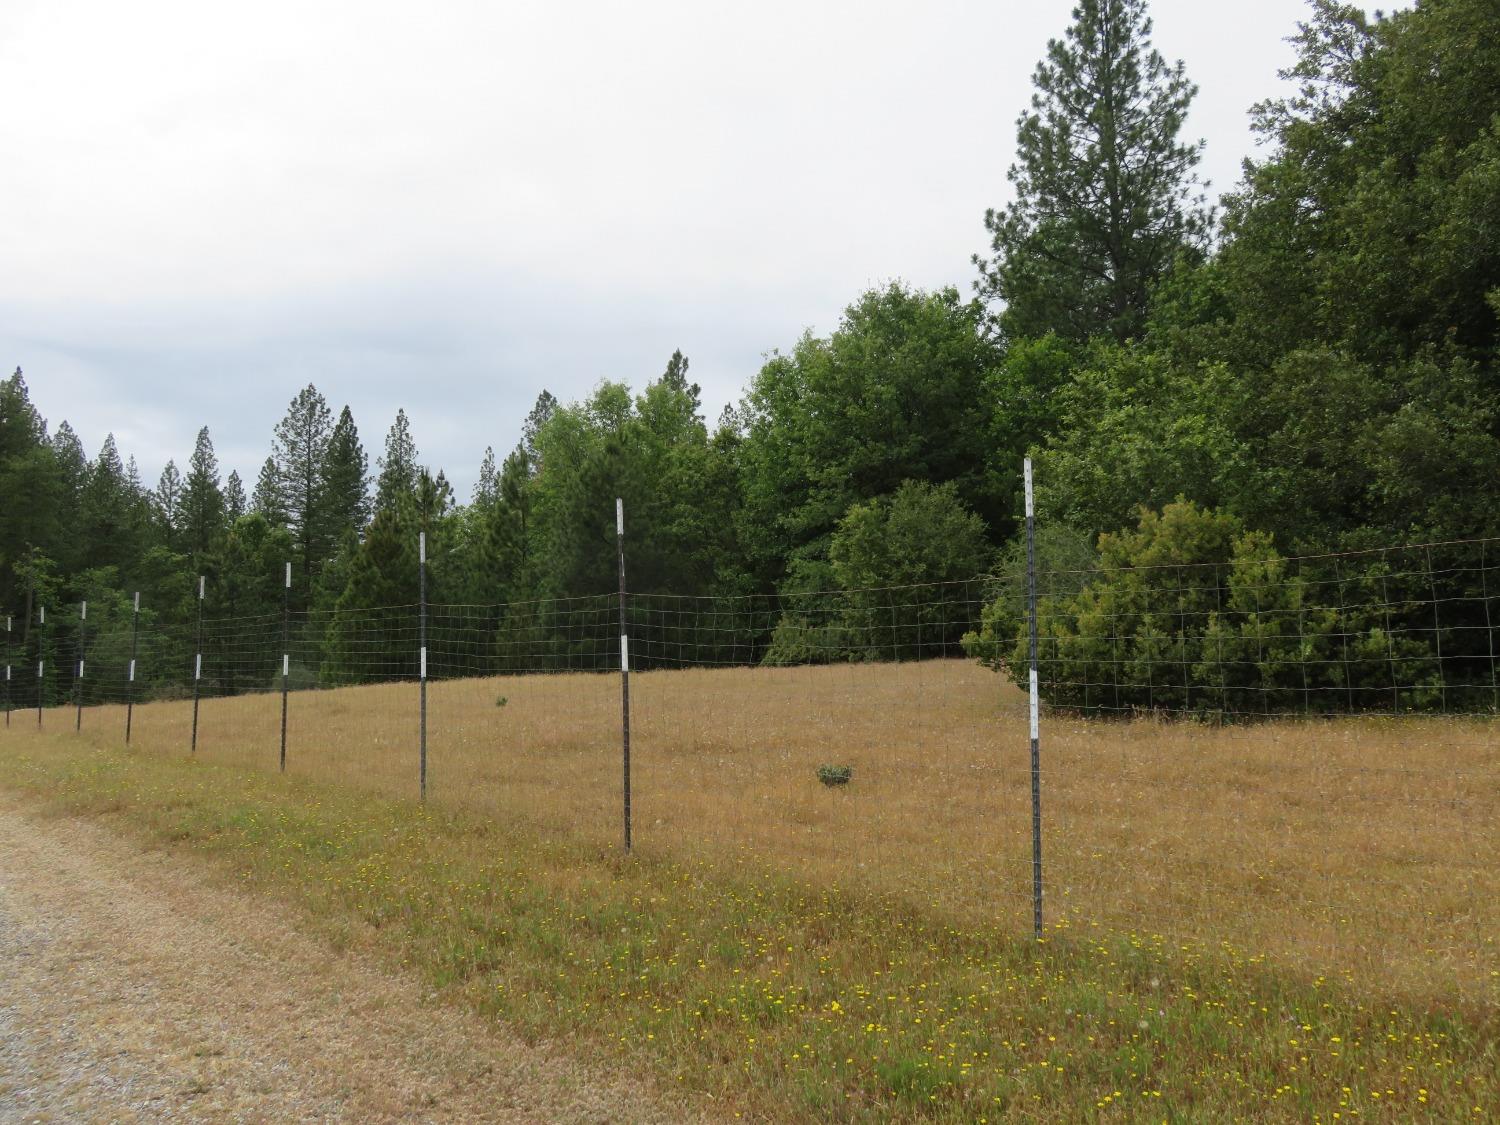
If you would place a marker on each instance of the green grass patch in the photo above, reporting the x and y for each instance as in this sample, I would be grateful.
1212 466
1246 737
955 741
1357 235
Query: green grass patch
788 1000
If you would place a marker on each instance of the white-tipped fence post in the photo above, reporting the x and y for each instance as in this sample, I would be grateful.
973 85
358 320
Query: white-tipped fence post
198 665
1035 714
286 654
135 632
83 619
624 663
422 643
41 660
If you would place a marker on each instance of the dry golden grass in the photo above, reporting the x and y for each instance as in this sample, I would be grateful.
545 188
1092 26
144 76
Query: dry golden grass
1367 848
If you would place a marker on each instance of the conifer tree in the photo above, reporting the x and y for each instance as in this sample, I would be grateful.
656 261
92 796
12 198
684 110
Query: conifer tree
301 453
675 376
509 523
234 497
29 483
398 468
167 500
72 464
546 406
1105 190
346 480
382 572
267 497
21 427
105 524
486 488
202 503
433 497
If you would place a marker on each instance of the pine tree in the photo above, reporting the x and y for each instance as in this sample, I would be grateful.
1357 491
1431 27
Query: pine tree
247 565
541 413
509 524
167 501
398 468
346 480
675 375
382 572
139 499
108 462
1105 191
234 498
487 488
72 464
433 496
29 483
301 453
202 503
267 497
105 524
21 427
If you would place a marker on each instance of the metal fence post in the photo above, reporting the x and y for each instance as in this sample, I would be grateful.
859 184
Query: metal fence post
83 619
8 646
286 654
1035 710
41 661
198 665
624 663
135 627
1437 631
1489 626
422 642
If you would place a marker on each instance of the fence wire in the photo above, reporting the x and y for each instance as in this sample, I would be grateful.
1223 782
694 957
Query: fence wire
1295 754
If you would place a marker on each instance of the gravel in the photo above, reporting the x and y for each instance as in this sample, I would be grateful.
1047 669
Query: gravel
133 988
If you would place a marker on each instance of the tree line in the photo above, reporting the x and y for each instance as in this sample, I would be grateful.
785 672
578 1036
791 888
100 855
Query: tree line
1312 364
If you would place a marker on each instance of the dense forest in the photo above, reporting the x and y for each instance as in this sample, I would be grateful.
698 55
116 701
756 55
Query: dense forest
1311 365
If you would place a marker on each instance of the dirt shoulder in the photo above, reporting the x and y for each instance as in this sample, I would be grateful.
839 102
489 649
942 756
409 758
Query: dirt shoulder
132 990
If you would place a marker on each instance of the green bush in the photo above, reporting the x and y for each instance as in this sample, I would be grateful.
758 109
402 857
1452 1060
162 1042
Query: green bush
1188 613
897 585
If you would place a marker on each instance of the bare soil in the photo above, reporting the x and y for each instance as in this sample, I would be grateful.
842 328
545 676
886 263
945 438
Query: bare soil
132 989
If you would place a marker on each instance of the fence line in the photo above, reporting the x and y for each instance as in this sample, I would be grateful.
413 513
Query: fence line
1297 646
1228 646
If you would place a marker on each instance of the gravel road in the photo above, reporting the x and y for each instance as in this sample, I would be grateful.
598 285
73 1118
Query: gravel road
133 990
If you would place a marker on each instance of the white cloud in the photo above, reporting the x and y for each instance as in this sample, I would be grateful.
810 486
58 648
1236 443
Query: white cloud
449 206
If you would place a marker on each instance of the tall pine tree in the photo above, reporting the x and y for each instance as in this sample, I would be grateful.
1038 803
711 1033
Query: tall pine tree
167 501
1106 194
398 468
29 515
486 488
202 502
546 406
346 480
301 453
106 510
267 498
234 497
72 472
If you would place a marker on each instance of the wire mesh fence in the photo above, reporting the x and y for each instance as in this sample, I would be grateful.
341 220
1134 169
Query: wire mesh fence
1296 755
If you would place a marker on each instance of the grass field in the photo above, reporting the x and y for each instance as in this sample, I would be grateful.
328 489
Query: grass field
1293 920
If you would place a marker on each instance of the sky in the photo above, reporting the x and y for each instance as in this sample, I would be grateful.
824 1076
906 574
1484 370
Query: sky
450 206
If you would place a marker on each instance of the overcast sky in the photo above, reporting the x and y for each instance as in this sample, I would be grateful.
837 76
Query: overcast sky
449 206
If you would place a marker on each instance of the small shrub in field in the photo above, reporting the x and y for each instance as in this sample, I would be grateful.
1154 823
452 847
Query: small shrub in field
835 775
500 701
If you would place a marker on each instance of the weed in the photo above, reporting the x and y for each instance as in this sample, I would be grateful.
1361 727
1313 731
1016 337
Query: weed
835 775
